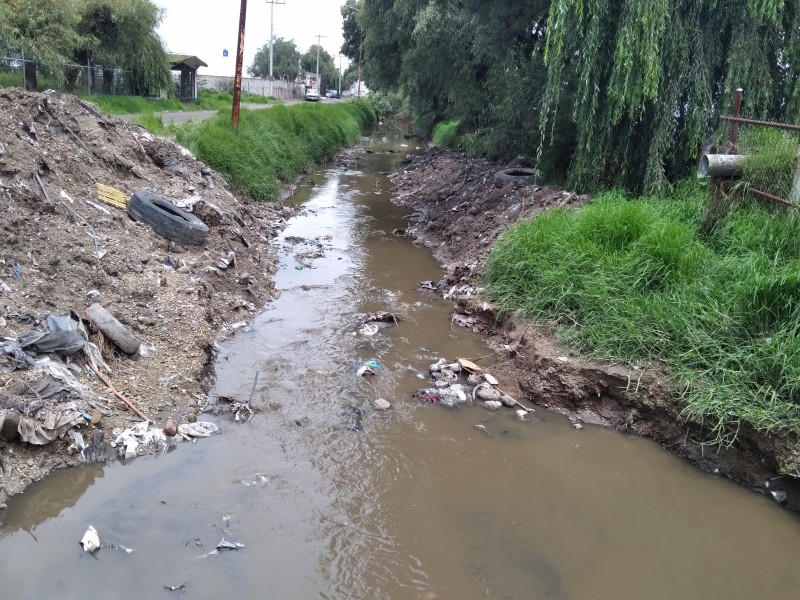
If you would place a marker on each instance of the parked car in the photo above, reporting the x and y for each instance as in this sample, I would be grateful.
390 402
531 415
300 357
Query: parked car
312 95
331 94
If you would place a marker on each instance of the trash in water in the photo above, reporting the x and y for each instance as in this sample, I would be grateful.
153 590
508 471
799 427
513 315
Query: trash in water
490 379
368 329
482 428
468 365
381 404
137 440
227 545
259 480
91 540
198 429
450 397
522 415
364 370
174 588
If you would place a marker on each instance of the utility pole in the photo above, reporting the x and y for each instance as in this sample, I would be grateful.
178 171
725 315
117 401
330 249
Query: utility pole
360 43
272 4
318 38
237 79
340 76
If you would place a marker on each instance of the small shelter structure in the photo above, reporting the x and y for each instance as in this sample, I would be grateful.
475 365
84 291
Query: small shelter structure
187 66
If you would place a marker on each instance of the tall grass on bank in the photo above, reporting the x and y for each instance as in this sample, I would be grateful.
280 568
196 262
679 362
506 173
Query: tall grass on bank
275 144
445 133
634 281
206 100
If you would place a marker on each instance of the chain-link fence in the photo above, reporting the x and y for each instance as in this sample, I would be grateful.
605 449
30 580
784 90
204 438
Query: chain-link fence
16 71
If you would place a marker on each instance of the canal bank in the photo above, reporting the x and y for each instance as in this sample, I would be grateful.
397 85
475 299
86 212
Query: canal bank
460 210
418 503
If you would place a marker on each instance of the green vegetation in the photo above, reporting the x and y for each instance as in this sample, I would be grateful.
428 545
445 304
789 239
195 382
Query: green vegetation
772 156
446 133
389 104
609 93
275 144
634 281
207 100
152 122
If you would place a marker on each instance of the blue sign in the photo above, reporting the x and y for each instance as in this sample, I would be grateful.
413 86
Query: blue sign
224 53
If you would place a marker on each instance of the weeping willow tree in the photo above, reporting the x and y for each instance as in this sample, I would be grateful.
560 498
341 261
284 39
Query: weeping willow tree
653 76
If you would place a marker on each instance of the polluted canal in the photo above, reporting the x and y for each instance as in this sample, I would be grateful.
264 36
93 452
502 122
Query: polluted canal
321 495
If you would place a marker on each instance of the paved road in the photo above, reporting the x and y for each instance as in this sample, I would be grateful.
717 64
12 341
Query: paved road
168 118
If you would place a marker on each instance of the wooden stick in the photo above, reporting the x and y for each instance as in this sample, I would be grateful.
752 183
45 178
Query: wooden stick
130 404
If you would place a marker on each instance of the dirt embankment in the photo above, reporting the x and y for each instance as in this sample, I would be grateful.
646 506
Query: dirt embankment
459 211
65 250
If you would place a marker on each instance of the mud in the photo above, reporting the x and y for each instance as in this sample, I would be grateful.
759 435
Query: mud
459 210
178 301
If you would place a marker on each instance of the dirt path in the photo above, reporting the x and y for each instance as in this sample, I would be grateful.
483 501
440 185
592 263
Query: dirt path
459 211
62 249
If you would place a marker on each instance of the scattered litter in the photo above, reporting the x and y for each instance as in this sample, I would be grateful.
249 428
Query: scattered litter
138 440
577 426
175 588
371 367
91 540
259 480
779 496
490 379
522 415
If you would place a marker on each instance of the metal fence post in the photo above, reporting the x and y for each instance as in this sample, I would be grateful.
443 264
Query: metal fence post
24 83
88 77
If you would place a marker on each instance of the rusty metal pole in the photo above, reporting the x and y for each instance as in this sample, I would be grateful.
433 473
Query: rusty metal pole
237 80
737 113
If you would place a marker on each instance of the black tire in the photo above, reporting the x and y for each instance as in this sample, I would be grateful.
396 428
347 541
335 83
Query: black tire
166 219
517 174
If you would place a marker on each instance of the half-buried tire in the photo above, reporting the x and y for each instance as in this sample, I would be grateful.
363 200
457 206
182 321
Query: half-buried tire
166 219
517 174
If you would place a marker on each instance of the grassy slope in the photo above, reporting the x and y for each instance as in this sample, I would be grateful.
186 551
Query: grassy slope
635 281
207 100
275 144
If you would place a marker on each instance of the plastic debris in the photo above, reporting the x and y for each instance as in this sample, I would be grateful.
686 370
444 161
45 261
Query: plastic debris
198 429
522 415
490 379
175 588
368 329
482 428
228 545
138 439
91 540
468 365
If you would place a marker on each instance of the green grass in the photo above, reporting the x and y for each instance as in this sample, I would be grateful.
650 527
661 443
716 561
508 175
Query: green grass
207 100
445 133
275 144
772 156
634 281
152 122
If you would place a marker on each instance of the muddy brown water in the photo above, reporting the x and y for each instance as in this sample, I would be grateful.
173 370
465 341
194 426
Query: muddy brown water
418 503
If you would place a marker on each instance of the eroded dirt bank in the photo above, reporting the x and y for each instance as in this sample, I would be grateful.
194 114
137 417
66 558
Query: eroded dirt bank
63 249
459 209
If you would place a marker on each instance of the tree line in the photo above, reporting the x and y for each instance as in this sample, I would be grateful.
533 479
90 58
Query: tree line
288 63
602 92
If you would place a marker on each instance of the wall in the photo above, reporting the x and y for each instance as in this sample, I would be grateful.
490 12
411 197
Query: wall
285 90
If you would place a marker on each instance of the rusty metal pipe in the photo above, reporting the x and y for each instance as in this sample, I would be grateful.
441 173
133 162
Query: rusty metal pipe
761 123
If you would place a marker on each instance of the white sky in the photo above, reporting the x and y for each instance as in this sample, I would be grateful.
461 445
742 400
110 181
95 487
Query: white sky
205 28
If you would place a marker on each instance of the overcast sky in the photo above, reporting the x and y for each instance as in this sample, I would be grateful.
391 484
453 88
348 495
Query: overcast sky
206 29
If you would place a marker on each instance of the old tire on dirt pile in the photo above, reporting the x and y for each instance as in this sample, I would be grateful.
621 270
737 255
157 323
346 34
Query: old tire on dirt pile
517 174
166 219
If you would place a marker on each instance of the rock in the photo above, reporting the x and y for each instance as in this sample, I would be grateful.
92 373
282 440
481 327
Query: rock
96 417
490 379
381 404
144 258
492 405
191 417
171 428
487 393
507 400
473 379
